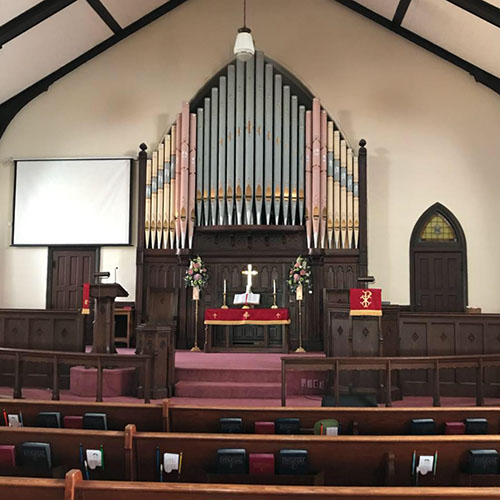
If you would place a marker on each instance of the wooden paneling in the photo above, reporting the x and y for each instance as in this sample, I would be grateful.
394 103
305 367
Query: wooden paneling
50 330
226 251
424 334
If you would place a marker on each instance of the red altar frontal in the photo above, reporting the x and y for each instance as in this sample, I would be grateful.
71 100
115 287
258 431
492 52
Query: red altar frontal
228 317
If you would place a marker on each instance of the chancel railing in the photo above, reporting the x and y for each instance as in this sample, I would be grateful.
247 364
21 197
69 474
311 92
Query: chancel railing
387 365
253 149
58 358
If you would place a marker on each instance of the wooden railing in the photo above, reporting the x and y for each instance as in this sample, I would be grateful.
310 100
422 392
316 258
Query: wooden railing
55 358
387 365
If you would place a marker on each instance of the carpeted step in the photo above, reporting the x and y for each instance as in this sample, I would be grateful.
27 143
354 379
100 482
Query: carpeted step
228 375
236 390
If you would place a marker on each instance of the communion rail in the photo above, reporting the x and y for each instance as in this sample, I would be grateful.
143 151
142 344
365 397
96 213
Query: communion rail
100 361
385 366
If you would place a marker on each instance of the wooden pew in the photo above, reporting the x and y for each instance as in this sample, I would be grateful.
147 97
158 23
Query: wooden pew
22 488
365 421
380 460
77 489
146 417
65 444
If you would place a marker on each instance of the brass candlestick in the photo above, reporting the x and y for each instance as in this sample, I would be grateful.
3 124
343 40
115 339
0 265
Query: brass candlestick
224 304
274 306
299 300
196 298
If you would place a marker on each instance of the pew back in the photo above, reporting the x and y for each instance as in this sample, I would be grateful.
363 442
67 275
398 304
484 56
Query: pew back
345 460
152 491
21 488
370 421
65 445
146 417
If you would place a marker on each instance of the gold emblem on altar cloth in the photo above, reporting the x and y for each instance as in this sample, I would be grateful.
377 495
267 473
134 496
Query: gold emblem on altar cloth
365 298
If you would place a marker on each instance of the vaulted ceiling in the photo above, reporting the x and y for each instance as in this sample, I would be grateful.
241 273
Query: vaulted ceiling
41 42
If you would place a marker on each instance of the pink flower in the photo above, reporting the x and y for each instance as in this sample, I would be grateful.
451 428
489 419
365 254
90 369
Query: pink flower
197 276
190 271
203 270
195 265
296 277
302 272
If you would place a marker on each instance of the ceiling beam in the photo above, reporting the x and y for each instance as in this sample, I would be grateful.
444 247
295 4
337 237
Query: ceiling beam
480 75
479 8
400 12
23 22
105 15
10 108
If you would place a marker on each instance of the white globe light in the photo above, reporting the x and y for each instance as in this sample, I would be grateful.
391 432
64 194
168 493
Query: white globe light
244 48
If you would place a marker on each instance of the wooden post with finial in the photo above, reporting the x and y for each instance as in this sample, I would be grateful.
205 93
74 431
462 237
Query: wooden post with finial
363 210
142 159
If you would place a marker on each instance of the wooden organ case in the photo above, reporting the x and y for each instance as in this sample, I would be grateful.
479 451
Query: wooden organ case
253 171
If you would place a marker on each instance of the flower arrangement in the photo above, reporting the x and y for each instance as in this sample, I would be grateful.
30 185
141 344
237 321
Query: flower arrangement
196 273
300 274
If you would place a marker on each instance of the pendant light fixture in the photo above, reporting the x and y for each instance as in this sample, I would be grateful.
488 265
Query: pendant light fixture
243 46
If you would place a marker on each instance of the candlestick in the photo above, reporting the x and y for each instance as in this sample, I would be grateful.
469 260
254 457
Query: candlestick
274 306
196 298
224 297
299 297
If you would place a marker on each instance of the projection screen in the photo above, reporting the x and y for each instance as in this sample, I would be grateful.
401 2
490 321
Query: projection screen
72 202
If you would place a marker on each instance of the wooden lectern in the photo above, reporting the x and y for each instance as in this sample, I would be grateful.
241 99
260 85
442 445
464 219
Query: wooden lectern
104 315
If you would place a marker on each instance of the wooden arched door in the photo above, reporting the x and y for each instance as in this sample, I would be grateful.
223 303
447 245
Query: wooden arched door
438 262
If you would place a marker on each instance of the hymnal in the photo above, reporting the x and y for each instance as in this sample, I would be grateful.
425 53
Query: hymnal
476 426
36 455
264 427
49 419
96 421
287 426
261 464
7 455
454 428
293 462
232 461
231 425
422 426
73 422
482 462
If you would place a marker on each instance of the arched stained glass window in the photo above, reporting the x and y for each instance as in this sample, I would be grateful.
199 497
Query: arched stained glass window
438 229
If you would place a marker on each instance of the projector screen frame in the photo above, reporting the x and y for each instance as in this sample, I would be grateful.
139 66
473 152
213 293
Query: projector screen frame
93 158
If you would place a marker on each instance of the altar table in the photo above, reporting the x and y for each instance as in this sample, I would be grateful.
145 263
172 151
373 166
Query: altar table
227 317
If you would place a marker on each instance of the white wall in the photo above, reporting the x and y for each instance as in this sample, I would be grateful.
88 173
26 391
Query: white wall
432 131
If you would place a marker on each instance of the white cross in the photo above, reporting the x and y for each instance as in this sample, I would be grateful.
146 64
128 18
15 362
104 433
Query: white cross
249 272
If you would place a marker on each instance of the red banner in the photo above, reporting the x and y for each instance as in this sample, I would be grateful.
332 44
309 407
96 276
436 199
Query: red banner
365 302
247 317
86 299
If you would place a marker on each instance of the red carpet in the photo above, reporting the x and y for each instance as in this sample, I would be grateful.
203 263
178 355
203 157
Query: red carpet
240 376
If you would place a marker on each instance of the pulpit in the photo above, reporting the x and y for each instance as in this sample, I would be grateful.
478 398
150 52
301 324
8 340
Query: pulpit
104 315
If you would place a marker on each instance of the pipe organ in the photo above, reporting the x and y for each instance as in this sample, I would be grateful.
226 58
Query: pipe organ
253 151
